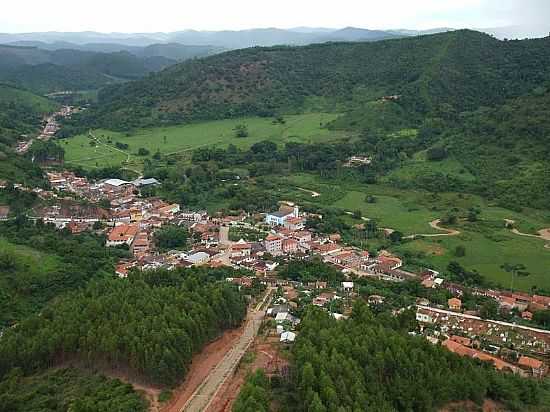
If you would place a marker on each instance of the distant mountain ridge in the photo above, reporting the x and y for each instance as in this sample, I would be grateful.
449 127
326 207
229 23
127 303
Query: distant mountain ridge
43 71
228 39
236 39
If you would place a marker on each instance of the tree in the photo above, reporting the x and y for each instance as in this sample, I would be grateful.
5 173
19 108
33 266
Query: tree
241 130
489 309
517 269
436 153
396 236
460 251
357 214
143 152
171 237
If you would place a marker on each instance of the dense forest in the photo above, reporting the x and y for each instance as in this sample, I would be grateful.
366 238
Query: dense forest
151 323
370 363
67 390
39 263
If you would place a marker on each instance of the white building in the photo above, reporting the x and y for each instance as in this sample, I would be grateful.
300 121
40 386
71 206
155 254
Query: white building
278 218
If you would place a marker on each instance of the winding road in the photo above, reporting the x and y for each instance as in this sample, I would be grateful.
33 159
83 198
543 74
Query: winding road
543 234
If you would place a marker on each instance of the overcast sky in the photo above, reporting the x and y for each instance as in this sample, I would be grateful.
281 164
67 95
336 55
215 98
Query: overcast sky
172 15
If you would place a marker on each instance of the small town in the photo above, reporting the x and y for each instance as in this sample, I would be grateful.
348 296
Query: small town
221 207
131 220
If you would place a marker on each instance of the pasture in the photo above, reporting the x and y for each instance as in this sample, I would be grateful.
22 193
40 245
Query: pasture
489 244
175 140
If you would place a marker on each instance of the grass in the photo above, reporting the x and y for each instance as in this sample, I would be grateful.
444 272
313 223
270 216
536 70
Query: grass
486 251
33 259
419 166
488 243
185 138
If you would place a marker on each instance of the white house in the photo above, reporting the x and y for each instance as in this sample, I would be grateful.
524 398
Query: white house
278 218
288 337
198 258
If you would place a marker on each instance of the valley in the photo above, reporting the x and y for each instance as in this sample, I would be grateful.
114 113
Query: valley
327 221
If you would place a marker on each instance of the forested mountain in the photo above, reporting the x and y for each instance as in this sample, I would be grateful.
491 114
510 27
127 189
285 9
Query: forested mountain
21 112
173 51
44 71
448 72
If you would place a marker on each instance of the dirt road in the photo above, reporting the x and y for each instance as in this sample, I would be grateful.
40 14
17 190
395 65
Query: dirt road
543 234
204 393
435 225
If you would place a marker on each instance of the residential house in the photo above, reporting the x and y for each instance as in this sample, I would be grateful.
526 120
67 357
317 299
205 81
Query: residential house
294 223
290 245
141 245
302 236
122 234
454 304
535 367
240 249
424 316
273 244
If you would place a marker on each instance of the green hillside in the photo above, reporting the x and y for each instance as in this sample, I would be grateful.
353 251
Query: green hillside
20 112
448 72
44 71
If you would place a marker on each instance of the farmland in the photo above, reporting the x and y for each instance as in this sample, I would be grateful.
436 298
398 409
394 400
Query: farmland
185 138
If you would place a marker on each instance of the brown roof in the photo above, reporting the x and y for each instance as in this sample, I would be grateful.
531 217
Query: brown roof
123 233
4 210
529 362
271 238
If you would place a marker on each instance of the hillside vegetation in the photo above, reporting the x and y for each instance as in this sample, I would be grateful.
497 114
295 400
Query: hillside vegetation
44 71
453 71
152 323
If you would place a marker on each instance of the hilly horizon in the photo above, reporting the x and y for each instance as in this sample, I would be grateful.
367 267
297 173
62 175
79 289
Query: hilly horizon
351 214
256 80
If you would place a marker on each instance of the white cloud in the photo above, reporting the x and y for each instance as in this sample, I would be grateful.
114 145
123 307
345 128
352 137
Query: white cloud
171 15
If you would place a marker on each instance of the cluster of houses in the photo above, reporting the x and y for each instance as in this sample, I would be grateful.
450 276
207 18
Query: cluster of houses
503 343
49 130
524 303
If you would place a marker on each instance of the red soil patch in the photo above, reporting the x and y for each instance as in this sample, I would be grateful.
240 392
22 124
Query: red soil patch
201 366
469 406
266 358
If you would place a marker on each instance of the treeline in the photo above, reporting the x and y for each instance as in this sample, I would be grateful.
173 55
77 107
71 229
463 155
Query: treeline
367 363
64 262
152 323
67 390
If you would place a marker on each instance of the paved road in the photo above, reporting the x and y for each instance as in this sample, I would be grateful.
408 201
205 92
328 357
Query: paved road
206 392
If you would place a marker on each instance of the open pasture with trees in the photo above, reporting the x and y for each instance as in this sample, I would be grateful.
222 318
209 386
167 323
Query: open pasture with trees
488 243
81 150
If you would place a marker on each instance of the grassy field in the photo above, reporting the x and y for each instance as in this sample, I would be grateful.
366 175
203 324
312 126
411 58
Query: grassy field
488 243
36 261
178 139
